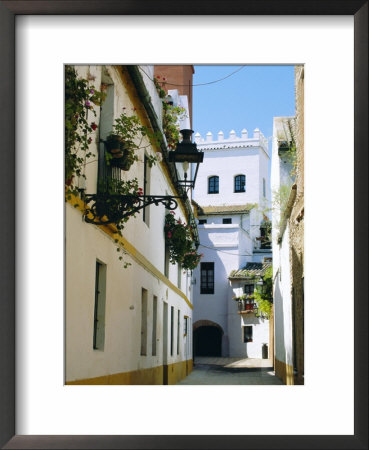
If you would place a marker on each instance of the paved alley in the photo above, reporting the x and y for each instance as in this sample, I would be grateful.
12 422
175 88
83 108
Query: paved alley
222 371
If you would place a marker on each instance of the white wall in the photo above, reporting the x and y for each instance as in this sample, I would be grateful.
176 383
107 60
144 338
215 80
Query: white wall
87 243
283 305
281 263
237 321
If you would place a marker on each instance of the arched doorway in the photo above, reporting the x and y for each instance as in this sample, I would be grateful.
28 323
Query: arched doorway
207 338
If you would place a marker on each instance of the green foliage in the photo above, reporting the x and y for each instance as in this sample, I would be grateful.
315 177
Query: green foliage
289 144
263 295
179 240
171 116
159 88
79 96
130 132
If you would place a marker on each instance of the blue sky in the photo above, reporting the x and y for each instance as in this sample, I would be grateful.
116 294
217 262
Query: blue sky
248 99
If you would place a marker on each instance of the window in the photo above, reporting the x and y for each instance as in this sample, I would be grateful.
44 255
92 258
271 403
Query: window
106 172
185 325
213 185
202 221
178 330
264 187
144 322
154 322
239 183
249 289
99 310
227 220
171 329
166 260
179 276
247 334
207 278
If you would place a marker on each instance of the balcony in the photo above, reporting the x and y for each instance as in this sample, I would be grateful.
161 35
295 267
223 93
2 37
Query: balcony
247 306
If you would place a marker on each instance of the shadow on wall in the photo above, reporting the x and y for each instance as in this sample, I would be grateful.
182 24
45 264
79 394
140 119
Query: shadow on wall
278 322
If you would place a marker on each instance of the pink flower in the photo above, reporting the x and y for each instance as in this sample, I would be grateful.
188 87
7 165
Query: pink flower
87 103
172 212
92 91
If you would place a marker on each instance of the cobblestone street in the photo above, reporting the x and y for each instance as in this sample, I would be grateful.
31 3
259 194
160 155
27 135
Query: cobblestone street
223 371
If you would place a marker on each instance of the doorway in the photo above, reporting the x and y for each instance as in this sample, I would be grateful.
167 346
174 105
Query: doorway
207 341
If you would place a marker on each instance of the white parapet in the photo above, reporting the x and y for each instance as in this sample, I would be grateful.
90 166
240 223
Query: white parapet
256 140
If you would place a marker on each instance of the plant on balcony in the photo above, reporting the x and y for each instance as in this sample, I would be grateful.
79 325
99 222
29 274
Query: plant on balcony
264 297
109 204
79 97
179 240
125 139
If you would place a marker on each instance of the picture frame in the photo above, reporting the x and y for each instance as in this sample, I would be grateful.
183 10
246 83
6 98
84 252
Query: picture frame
8 282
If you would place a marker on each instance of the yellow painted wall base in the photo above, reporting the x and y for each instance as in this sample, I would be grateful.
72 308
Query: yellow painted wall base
284 372
169 374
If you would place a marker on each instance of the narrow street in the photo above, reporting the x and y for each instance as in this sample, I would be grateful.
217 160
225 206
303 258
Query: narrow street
222 371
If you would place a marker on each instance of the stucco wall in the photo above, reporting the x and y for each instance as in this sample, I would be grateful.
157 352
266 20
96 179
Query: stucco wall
297 232
236 322
87 243
282 304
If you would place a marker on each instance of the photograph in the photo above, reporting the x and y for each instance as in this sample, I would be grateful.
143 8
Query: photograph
157 162
184 224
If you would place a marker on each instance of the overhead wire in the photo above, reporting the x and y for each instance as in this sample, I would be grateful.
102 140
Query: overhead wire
198 84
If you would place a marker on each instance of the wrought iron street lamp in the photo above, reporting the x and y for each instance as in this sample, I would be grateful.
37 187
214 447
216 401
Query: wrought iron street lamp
185 154
105 208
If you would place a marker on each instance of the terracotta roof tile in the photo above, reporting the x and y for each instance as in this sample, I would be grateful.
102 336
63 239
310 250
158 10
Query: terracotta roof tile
228 209
250 270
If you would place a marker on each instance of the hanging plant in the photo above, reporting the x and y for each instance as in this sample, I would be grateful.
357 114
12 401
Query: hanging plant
179 240
125 139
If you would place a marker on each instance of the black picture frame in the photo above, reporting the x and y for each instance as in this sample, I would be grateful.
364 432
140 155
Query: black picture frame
8 11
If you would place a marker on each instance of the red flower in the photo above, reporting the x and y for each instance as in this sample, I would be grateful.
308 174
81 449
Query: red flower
93 126
158 77
89 140
164 79
172 212
169 234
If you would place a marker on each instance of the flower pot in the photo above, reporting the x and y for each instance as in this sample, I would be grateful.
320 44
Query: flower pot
115 145
125 161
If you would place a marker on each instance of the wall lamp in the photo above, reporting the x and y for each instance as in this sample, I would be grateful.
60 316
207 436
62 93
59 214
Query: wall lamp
105 208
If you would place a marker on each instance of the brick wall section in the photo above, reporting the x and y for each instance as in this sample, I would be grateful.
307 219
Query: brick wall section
181 79
297 234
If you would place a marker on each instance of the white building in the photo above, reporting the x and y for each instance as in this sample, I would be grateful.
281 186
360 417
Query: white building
232 196
284 192
125 325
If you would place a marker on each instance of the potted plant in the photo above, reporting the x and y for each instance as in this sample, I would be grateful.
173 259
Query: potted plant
179 240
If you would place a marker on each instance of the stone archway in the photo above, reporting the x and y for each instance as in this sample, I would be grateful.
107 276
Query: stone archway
207 338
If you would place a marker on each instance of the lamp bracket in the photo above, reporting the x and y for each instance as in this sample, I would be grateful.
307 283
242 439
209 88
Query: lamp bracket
104 208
